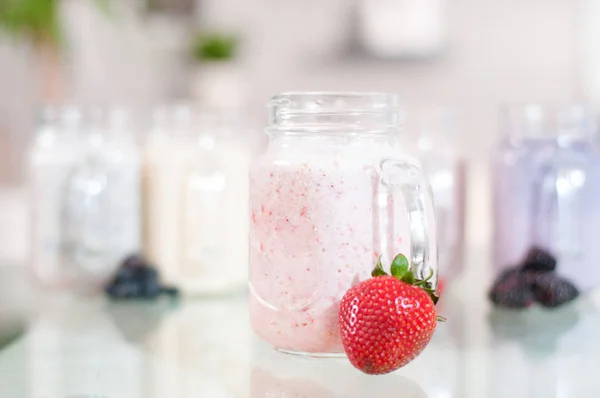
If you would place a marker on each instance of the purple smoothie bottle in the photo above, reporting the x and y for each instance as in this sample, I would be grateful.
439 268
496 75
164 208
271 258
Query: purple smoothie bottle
547 190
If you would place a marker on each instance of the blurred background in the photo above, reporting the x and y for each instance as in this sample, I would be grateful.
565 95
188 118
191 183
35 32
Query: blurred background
233 55
229 57
467 53
470 54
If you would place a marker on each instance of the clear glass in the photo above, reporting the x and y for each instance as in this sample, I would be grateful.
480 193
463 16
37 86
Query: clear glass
332 193
54 152
84 179
546 190
195 190
433 135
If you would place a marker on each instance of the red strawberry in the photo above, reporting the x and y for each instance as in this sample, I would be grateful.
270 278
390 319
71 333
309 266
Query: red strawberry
386 321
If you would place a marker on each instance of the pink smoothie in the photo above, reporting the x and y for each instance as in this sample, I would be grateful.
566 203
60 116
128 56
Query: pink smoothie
318 225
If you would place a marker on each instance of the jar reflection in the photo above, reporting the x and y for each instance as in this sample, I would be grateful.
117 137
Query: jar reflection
276 375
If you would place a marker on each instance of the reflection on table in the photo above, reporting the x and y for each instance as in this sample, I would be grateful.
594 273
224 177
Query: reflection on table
78 347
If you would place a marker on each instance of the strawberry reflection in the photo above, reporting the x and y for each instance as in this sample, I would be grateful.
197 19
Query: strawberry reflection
278 375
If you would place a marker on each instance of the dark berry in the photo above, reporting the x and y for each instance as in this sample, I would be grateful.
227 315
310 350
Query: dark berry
151 286
124 290
136 278
132 268
550 290
512 290
147 273
125 274
538 259
134 261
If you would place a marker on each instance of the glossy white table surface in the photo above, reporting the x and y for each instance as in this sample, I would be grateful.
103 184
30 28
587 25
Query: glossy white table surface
77 347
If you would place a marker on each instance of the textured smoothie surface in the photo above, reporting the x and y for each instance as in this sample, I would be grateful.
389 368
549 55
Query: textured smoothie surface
316 230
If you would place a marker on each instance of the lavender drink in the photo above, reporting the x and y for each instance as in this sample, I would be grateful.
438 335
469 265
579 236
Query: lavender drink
547 192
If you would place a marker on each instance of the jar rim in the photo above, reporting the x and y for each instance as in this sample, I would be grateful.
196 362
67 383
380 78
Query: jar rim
314 111
377 100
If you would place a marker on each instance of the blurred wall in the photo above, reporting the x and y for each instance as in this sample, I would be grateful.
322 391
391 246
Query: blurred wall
497 50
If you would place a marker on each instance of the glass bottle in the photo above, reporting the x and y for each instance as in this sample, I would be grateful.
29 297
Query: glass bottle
547 190
101 213
196 183
434 134
331 194
54 152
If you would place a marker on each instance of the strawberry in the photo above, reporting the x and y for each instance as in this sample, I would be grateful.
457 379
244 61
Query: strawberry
386 321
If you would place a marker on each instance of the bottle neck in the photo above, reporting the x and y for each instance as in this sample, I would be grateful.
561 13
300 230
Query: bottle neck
332 114
562 125
184 123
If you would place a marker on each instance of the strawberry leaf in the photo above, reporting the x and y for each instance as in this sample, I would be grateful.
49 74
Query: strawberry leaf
399 267
378 270
409 278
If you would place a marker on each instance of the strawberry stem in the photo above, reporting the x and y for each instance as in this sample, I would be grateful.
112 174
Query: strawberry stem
441 319
378 270
401 269
424 281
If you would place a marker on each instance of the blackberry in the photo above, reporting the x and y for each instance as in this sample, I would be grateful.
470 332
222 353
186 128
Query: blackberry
124 290
550 290
135 278
512 289
538 259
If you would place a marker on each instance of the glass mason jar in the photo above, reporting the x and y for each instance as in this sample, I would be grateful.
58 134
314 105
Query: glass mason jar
433 134
547 190
84 182
101 209
195 185
331 194
54 152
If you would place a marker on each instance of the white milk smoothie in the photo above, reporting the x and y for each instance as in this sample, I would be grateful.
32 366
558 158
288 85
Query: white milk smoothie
195 190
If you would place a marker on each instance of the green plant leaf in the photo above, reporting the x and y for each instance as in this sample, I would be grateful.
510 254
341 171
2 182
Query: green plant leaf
35 19
378 270
399 266
214 47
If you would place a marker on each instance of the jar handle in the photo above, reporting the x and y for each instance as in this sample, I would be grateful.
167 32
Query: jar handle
409 180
